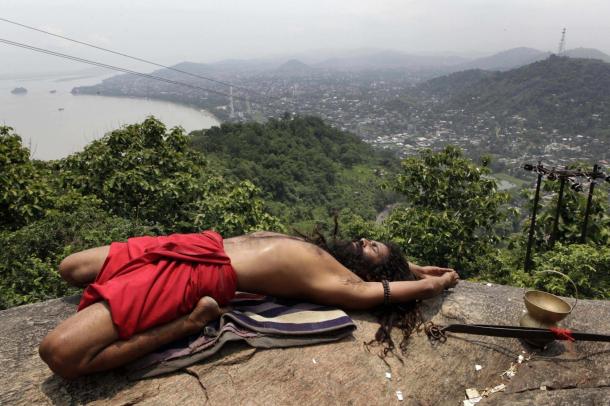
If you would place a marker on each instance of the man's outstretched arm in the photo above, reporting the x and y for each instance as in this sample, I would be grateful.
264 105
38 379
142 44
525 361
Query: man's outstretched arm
366 295
426 271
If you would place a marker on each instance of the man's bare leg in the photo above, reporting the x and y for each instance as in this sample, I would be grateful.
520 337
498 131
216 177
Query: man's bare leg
81 268
88 341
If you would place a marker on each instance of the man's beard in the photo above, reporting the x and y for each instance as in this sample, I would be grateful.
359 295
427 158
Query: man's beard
349 254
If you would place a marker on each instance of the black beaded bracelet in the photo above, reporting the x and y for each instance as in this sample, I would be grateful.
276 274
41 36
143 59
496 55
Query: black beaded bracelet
386 292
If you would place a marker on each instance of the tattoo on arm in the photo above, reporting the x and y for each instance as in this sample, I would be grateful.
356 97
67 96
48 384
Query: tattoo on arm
352 280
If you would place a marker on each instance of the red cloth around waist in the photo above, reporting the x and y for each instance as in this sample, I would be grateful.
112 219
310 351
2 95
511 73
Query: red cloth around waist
149 281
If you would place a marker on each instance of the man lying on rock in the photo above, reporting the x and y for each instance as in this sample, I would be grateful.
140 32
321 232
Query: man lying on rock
149 291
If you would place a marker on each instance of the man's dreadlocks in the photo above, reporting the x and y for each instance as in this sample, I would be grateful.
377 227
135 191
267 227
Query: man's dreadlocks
405 316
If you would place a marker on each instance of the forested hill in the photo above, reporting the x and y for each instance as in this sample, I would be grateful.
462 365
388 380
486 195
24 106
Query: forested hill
561 93
454 84
305 167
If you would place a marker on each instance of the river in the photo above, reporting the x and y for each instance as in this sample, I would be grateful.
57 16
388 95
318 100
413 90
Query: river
56 124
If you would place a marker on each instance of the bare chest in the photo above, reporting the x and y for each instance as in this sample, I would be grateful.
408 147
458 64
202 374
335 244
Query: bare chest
281 267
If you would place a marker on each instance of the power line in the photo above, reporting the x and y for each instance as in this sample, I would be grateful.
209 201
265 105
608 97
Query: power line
135 58
107 66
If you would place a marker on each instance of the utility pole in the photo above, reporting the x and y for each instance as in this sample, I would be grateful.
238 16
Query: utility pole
530 238
562 183
583 236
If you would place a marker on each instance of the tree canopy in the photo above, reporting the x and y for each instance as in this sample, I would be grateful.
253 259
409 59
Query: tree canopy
453 213
305 167
23 189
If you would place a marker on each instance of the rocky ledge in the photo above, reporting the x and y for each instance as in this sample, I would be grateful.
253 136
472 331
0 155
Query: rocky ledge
340 373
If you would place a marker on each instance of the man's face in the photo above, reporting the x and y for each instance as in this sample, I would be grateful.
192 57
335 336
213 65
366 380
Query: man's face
373 252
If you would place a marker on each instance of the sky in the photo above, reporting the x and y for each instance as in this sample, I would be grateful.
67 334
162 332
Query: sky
206 31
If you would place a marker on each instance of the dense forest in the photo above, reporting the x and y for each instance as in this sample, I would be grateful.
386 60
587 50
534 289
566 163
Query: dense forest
306 168
237 178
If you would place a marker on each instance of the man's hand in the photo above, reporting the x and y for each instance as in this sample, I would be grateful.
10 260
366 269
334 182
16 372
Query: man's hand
434 270
450 278
445 281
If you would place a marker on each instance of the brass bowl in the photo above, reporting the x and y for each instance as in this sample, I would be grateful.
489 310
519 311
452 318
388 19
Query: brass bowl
546 307
528 321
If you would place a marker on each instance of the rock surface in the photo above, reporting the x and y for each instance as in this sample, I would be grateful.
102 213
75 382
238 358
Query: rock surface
343 373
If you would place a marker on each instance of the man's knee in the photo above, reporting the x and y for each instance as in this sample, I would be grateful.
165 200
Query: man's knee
55 352
69 269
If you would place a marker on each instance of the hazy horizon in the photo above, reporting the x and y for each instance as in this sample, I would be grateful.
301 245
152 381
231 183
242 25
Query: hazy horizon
207 32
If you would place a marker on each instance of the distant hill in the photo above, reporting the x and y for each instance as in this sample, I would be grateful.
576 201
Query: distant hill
517 57
295 67
559 92
505 60
193 95
454 84
380 59
193 67
389 60
245 66
588 53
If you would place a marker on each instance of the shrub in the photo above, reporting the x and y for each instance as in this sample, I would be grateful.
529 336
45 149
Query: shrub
31 255
454 213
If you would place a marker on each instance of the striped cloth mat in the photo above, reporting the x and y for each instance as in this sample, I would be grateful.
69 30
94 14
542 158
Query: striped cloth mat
260 321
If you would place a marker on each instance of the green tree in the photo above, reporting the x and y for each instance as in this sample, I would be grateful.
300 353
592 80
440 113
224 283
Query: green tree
24 192
235 209
453 213
587 265
145 173
139 171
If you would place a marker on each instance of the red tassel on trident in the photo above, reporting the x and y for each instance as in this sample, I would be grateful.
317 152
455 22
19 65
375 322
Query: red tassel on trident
562 333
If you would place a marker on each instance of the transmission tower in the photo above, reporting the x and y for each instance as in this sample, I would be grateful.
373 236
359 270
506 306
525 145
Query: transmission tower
562 43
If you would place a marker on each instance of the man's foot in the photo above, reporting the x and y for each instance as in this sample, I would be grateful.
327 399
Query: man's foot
207 309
